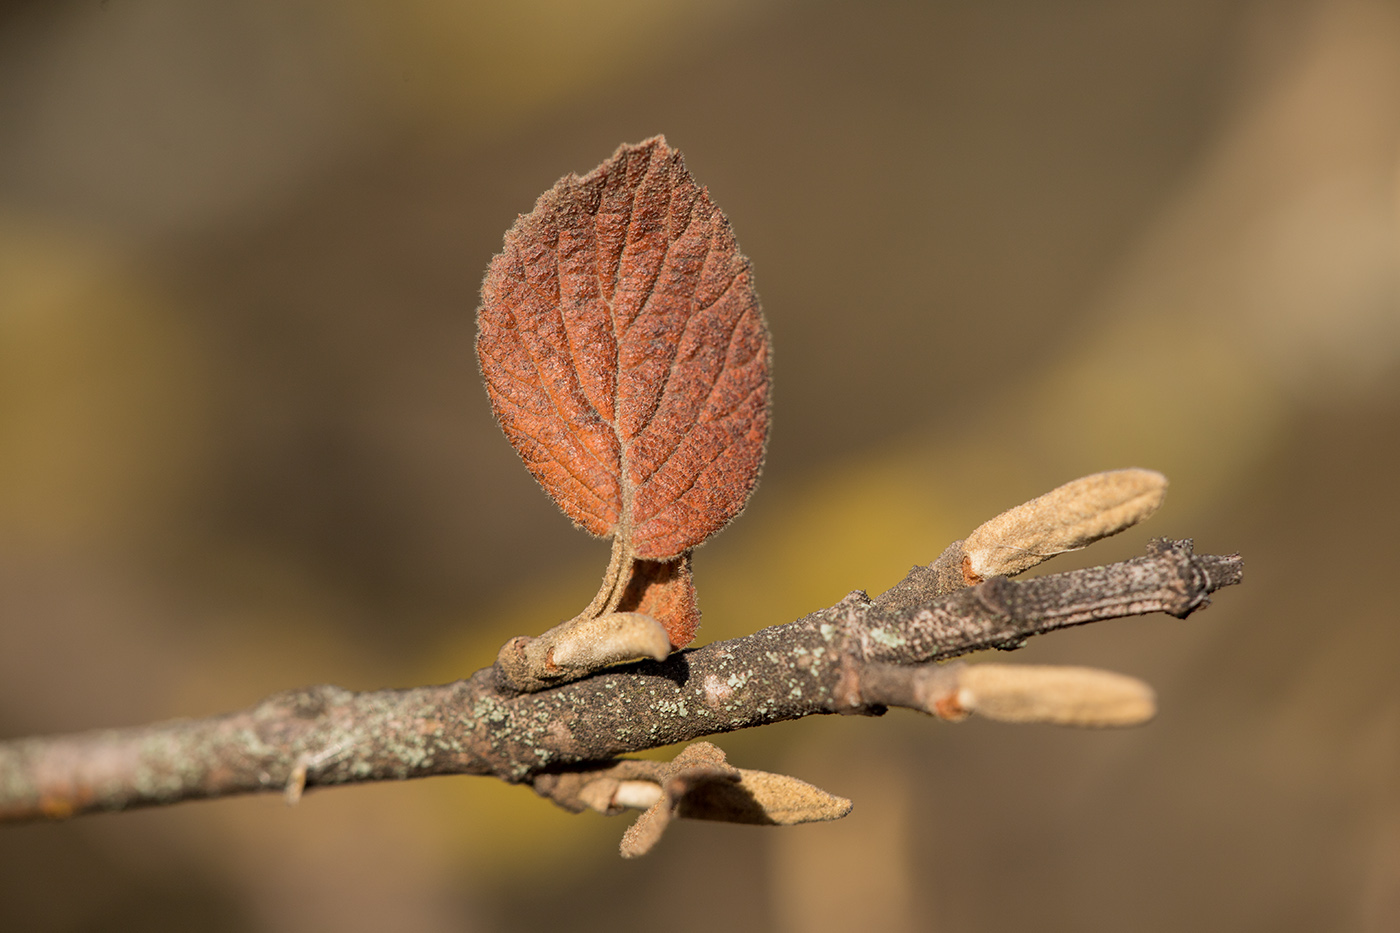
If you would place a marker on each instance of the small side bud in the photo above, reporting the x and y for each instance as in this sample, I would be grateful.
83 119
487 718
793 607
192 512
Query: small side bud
296 782
1066 696
580 646
301 769
781 800
1065 519
613 638
701 785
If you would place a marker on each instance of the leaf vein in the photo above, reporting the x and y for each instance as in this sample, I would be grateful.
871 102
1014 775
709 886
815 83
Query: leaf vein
690 317
718 376
544 383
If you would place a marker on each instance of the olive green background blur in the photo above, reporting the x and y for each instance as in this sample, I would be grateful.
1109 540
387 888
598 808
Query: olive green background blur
243 444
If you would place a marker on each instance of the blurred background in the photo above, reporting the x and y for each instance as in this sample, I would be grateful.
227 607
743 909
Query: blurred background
244 447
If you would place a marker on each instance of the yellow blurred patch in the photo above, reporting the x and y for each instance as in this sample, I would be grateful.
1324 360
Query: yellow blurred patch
489 66
100 419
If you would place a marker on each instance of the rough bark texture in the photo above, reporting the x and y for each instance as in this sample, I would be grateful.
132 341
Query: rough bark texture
324 735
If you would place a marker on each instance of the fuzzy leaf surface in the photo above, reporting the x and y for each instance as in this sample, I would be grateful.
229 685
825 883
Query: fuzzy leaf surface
625 354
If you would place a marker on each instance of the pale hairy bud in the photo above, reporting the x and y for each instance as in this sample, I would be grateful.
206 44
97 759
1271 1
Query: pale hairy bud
700 785
1065 519
766 797
1066 696
580 646
786 800
608 639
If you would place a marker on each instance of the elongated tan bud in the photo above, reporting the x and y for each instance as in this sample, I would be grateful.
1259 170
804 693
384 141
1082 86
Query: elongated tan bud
612 638
1067 696
581 646
757 797
1065 519
699 784
765 797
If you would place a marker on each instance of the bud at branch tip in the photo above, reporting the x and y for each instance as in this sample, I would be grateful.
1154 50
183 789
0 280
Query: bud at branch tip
1065 519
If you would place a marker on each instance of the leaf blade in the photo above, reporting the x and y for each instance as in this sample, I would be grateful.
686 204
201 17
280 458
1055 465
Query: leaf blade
625 354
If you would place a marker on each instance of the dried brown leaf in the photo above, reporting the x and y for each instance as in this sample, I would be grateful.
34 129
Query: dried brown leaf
625 353
626 359
665 591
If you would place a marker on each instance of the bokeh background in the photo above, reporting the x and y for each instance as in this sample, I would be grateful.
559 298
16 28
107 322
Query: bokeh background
1000 244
